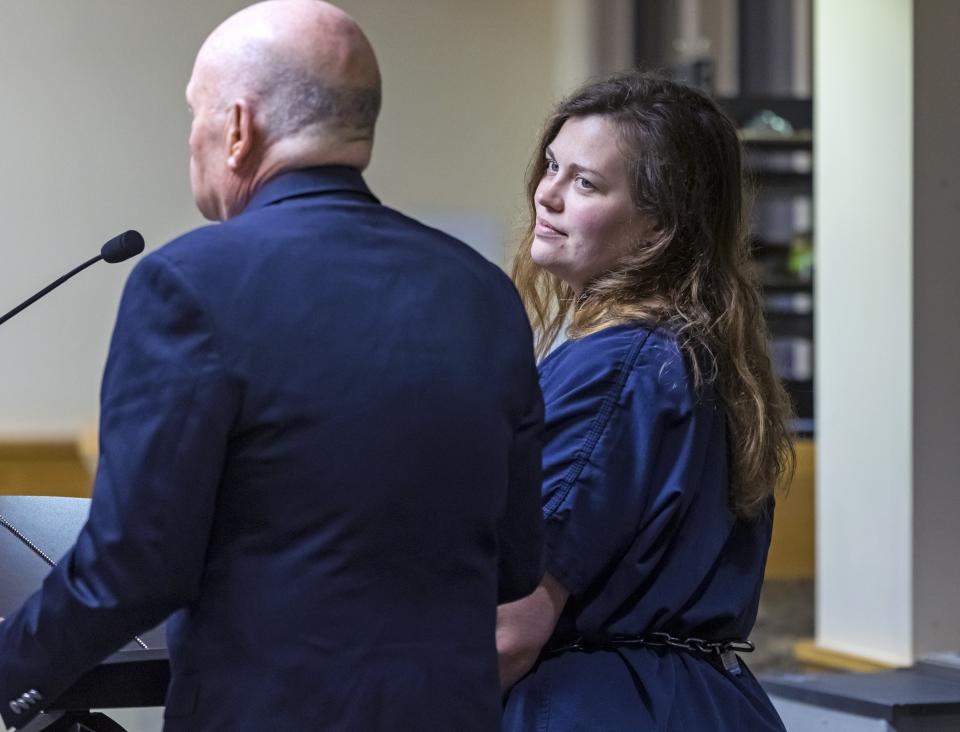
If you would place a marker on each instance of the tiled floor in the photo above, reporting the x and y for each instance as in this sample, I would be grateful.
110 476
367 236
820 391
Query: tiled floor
785 616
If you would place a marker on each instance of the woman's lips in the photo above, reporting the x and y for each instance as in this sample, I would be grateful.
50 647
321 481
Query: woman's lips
543 229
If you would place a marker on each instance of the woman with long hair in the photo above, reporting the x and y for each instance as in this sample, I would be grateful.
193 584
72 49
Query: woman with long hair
666 430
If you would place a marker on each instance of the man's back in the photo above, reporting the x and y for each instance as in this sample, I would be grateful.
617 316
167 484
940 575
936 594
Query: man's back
320 439
320 428
379 371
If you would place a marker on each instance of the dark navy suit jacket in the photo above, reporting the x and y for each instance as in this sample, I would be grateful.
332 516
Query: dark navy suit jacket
320 451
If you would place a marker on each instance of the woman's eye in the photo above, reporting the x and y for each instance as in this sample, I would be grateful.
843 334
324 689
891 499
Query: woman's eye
585 184
552 166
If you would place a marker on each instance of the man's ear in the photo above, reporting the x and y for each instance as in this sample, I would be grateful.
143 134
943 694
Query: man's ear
239 134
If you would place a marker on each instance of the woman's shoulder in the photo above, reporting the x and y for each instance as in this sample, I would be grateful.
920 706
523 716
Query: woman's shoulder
619 348
639 363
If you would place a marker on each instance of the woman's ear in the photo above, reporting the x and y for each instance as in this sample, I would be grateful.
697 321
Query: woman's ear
649 229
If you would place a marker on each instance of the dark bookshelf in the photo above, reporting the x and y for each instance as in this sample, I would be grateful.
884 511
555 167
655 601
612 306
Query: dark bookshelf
779 167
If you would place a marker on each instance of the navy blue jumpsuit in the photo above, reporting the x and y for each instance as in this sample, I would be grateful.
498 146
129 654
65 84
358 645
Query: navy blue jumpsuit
639 530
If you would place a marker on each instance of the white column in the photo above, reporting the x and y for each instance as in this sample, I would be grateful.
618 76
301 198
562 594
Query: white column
887 207
864 330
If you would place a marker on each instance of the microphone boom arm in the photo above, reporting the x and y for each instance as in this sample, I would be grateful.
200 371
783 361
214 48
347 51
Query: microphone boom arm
53 285
119 249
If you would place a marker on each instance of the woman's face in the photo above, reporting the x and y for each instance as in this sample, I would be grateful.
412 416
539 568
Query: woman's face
586 220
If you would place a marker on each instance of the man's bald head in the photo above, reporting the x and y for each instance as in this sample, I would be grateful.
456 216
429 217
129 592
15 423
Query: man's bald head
304 62
299 82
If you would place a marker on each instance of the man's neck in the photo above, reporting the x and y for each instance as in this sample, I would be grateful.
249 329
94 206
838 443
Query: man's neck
294 154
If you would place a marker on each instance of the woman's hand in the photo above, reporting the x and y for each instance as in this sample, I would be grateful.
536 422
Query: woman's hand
525 626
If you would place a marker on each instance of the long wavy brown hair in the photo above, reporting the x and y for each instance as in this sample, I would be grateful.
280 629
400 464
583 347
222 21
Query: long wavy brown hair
694 277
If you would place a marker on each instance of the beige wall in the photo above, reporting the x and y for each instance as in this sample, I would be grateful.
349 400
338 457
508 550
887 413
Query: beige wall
466 86
93 131
92 142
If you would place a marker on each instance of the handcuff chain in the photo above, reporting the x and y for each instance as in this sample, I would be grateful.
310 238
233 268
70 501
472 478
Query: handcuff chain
660 639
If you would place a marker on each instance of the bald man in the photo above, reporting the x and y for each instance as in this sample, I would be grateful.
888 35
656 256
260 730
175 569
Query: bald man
319 429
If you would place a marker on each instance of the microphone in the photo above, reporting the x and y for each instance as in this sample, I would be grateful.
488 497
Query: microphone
119 248
122 247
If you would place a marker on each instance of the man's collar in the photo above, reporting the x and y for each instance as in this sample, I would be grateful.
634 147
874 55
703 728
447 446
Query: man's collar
310 182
